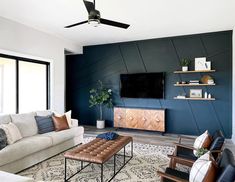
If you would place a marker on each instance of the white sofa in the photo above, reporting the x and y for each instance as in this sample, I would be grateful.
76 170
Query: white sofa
34 148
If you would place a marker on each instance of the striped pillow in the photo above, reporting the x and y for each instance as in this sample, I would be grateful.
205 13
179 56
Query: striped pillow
203 141
203 169
45 124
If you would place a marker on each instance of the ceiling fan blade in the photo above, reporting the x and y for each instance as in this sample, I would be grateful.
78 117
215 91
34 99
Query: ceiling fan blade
114 23
89 6
76 24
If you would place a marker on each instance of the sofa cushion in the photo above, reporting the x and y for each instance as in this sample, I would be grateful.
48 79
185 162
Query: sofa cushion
60 123
12 132
45 124
24 147
62 136
3 139
44 113
24 122
5 118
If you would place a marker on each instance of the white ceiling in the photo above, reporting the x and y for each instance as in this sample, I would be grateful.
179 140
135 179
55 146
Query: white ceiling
148 18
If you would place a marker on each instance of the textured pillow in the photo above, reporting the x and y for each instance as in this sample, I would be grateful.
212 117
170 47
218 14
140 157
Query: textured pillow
5 118
3 139
12 132
203 141
203 169
60 123
26 123
68 117
45 124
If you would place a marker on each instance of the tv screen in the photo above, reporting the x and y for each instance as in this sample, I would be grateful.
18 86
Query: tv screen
142 85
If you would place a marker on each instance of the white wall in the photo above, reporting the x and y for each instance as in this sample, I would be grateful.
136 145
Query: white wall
233 130
18 39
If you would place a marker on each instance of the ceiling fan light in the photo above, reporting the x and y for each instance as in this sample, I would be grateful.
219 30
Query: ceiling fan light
94 22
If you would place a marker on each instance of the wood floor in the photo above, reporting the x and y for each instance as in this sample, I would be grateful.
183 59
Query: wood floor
147 137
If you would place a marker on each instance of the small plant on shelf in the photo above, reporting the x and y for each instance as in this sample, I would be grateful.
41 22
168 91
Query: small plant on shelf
184 63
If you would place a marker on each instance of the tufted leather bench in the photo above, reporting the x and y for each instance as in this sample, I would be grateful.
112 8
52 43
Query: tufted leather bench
99 151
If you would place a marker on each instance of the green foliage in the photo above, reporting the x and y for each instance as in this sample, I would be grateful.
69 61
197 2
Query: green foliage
185 62
100 96
201 152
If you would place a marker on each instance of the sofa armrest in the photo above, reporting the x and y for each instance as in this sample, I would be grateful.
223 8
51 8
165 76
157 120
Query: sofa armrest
74 123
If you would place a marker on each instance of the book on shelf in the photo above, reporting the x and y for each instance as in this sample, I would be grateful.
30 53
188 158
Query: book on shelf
181 97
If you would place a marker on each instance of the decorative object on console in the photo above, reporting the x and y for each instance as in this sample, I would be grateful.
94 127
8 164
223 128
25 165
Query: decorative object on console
195 93
184 63
100 97
3 139
60 123
45 124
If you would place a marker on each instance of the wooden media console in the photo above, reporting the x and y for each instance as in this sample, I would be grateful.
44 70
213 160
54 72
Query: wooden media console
144 119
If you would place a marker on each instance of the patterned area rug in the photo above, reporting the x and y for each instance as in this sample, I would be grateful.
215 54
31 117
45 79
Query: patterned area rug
146 161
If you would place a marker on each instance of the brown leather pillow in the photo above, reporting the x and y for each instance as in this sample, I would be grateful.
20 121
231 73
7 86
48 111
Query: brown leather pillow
60 123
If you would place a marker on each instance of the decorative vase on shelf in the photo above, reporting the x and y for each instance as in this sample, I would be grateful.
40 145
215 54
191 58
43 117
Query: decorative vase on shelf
184 68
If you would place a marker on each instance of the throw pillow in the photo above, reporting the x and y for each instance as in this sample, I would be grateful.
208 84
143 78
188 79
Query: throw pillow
68 117
12 132
203 141
3 139
45 124
60 123
203 169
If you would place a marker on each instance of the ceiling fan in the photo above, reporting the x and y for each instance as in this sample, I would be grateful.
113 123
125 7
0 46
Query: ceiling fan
95 19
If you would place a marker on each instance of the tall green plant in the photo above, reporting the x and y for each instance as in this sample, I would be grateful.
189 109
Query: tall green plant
100 97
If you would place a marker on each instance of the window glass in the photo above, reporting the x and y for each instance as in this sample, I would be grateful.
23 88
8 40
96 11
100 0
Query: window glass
32 86
7 85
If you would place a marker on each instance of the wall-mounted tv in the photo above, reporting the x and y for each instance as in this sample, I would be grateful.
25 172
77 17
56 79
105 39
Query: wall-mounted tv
142 85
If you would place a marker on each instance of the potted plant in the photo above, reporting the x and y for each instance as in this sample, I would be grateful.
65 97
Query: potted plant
201 152
184 63
100 97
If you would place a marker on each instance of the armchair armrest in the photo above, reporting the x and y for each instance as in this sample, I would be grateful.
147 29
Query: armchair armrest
74 123
171 177
181 159
184 146
185 137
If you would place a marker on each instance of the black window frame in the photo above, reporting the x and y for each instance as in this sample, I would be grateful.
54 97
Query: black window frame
18 59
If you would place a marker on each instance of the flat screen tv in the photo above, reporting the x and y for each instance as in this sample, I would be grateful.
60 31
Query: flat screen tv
142 85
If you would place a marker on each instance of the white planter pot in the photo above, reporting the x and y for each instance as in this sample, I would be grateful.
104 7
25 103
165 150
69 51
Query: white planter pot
184 68
100 124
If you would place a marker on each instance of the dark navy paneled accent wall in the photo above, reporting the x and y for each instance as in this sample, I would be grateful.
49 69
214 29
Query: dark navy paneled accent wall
107 62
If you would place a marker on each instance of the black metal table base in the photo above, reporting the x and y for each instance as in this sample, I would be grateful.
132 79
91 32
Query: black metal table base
102 165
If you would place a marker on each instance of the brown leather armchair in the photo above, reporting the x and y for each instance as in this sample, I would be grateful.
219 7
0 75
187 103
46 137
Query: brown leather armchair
225 172
183 154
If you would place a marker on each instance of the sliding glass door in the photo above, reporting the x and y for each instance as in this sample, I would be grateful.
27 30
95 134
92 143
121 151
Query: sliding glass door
24 85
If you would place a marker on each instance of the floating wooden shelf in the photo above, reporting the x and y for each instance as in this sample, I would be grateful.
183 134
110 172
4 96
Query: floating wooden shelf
194 71
187 98
189 85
